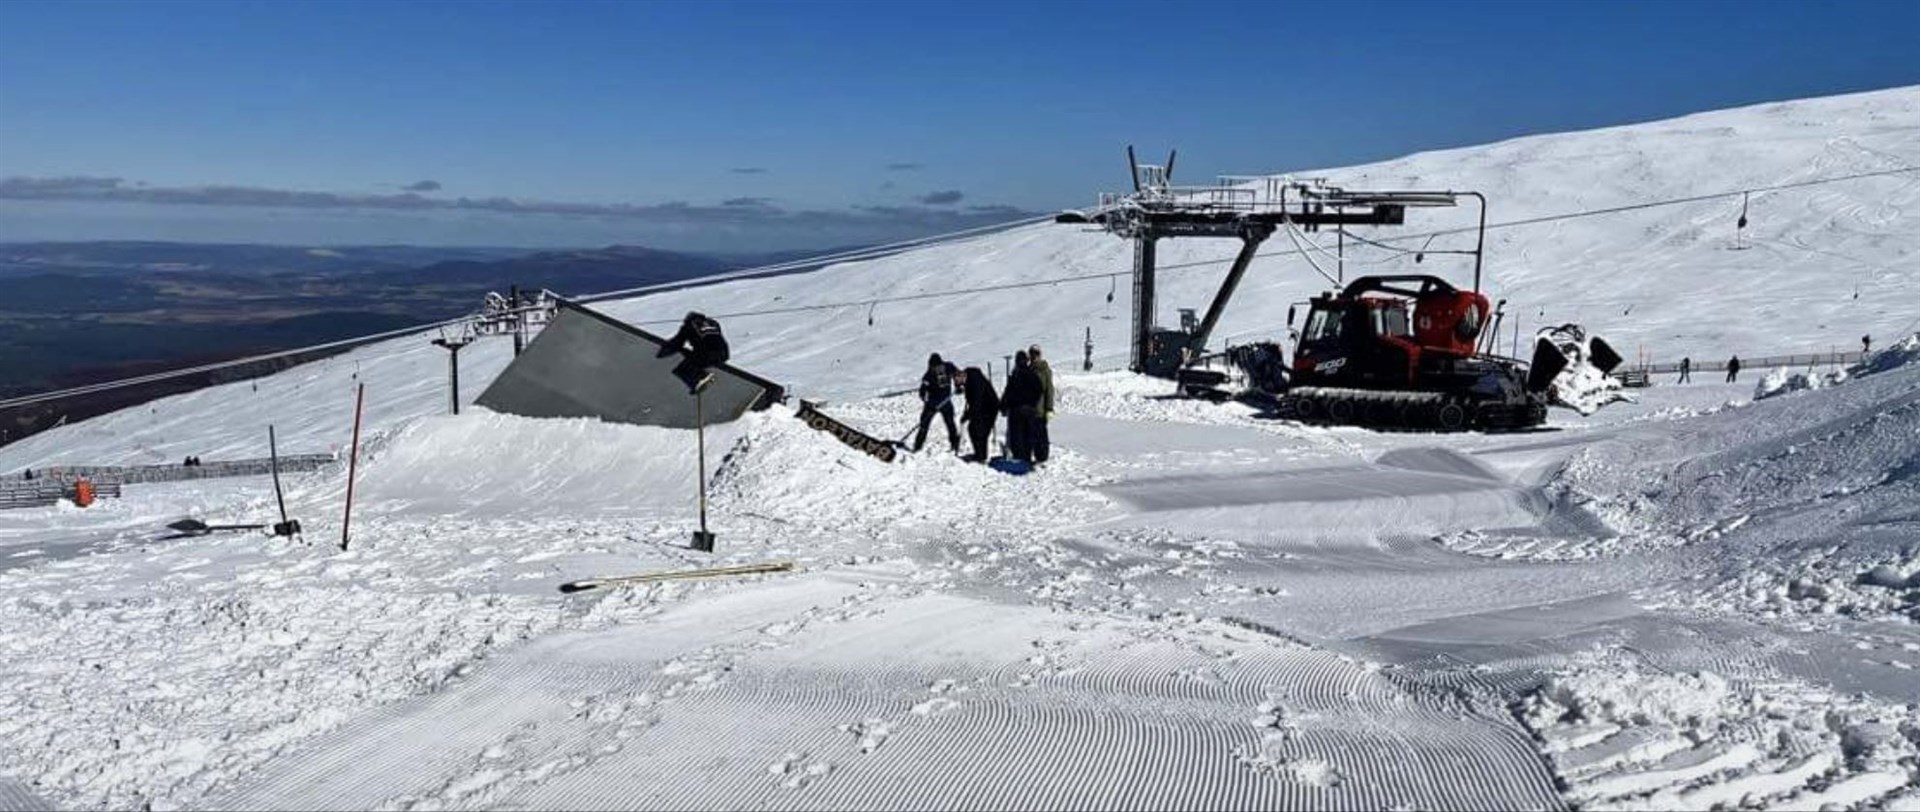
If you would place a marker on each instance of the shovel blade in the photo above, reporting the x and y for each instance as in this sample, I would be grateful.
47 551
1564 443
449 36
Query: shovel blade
1547 363
1603 355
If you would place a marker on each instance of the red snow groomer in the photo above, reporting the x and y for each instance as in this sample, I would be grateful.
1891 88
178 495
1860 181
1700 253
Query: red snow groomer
1404 351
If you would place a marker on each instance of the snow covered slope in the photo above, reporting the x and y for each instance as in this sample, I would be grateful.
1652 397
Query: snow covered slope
1691 601
1663 279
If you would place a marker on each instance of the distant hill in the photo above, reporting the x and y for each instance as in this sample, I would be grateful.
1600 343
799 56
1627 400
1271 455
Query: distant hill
121 257
567 272
79 313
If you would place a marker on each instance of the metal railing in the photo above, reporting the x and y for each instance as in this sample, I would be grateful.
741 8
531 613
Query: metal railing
1810 359
51 484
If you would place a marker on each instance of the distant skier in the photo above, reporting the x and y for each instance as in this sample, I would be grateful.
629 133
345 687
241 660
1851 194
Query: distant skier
1686 370
1866 344
700 340
1733 368
1021 404
936 397
983 408
1042 445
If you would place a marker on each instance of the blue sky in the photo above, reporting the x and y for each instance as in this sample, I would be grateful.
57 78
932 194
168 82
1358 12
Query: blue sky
764 125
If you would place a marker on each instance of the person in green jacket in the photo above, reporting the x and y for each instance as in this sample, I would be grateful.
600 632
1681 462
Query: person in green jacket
1041 444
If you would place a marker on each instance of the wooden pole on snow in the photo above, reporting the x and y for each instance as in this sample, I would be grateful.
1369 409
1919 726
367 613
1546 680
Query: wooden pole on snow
353 462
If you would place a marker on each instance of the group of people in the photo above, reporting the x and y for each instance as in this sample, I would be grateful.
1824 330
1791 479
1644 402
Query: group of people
1686 369
1027 404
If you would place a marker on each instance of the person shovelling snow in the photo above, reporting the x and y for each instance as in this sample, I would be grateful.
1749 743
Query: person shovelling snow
700 340
936 396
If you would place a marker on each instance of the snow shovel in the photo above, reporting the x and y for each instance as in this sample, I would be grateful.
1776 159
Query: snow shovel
187 528
902 442
286 527
647 578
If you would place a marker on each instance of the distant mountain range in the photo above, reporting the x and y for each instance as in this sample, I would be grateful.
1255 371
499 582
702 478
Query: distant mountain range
568 272
118 257
73 313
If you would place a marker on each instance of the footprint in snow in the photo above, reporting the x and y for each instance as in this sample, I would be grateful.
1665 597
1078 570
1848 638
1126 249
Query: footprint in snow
795 770
934 707
869 733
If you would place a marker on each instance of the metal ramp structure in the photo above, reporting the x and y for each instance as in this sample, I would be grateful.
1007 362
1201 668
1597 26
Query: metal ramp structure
585 363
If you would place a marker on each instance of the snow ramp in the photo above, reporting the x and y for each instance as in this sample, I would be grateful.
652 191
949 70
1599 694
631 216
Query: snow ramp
483 465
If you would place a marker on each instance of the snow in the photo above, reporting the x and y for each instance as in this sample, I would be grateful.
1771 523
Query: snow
1703 599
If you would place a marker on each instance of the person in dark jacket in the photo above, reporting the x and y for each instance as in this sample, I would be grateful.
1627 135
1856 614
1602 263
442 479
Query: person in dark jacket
1686 369
936 397
1021 404
983 408
1733 368
700 341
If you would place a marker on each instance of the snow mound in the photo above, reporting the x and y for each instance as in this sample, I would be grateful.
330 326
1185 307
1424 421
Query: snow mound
1825 587
461 467
1623 738
1856 440
1779 381
780 470
1906 353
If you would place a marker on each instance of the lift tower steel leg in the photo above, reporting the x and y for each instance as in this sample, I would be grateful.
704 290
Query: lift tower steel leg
453 347
1143 313
1250 241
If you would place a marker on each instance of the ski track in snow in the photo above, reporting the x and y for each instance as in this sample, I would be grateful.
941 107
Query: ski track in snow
1705 600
